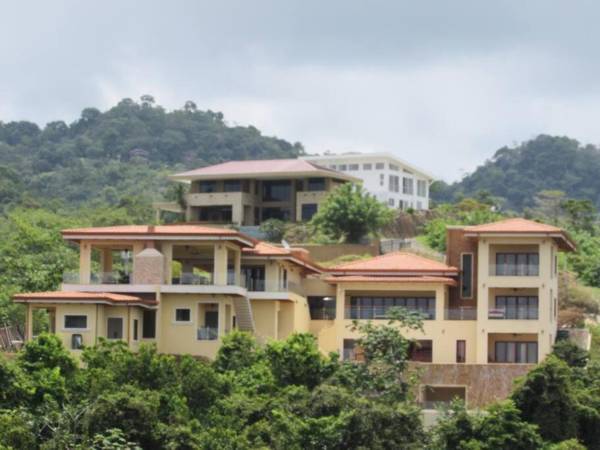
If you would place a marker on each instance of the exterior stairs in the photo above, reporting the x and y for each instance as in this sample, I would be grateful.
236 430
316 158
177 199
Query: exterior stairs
243 314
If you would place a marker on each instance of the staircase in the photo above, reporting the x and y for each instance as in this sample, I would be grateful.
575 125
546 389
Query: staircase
243 314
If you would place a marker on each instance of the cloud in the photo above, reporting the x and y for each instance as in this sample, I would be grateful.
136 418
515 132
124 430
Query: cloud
442 86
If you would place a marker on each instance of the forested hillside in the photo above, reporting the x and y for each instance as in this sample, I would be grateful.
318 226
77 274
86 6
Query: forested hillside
517 174
122 154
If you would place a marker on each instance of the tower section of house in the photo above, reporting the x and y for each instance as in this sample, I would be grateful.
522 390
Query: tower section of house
246 193
391 180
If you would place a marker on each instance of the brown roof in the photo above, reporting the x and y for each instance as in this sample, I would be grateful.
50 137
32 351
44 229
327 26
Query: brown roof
265 249
396 262
264 167
157 231
386 279
88 297
519 225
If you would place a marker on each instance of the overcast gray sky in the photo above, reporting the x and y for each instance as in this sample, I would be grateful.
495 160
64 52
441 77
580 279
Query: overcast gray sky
440 84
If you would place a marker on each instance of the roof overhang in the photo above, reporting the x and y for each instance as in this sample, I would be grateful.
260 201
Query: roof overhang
266 176
307 265
392 279
562 239
116 236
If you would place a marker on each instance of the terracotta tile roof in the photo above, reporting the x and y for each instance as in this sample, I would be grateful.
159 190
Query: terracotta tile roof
91 297
157 230
515 225
387 279
519 225
266 249
265 167
396 262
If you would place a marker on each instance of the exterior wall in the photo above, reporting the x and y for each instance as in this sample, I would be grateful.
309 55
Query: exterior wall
181 338
265 319
307 197
484 383
372 178
458 244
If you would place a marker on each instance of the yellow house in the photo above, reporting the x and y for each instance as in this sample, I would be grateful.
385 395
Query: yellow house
489 310
250 192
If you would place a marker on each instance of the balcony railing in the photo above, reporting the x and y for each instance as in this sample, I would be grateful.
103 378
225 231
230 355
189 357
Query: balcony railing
114 277
193 279
208 333
356 312
254 284
460 314
514 270
528 313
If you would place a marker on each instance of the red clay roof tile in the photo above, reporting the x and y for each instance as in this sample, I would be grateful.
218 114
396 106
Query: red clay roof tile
395 262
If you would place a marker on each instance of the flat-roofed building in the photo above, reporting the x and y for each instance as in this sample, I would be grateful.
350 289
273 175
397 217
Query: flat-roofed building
250 192
391 180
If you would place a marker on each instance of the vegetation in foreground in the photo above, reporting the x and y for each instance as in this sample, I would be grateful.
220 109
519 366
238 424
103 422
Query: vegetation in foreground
283 395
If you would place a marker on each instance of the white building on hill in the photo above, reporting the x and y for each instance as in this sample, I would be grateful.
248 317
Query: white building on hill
391 180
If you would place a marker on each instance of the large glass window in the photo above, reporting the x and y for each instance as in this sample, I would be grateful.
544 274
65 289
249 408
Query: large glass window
207 186
422 188
516 352
315 184
208 321
517 264
321 308
466 276
254 277
461 351
149 324
394 184
515 308
183 315
232 186
284 214
378 307
76 322
407 186
308 211
277 190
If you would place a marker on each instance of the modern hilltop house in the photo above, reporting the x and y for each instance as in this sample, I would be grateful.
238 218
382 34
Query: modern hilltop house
246 193
490 310
392 181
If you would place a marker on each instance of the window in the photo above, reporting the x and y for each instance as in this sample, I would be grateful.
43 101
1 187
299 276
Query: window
254 277
515 308
422 188
342 167
394 167
466 275
277 190
76 342
183 315
517 264
332 166
353 167
208 321
136 326
378 307
352 352
516 352
316 184
421 350
75 322
391 202
381 179
114 328
149 324
407 186
379 166
394 185
308 211
232 186
367 166
284 214
321 308
207 186
461 351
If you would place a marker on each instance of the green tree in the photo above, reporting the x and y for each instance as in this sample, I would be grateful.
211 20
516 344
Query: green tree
349 213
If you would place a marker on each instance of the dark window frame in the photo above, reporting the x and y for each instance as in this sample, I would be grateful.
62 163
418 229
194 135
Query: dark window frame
517 264
368 307
504 348
466 277
178 319
320 309
75 316
149 324
518 307
308 210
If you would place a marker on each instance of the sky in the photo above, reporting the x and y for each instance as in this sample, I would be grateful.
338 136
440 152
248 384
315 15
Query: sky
441 84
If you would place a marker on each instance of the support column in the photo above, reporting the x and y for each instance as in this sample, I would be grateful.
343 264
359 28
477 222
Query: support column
220 265
237 267
85 262
483 273
440 297
340 305
29 323
167 251
106 261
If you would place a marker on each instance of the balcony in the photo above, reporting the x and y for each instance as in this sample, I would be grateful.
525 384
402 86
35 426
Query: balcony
514 270
208 333
193 279
528 313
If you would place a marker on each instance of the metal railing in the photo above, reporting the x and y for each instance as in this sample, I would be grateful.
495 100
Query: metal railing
253 284
189 278
356 312
514 270
460 313
529 313
208 333
113 277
